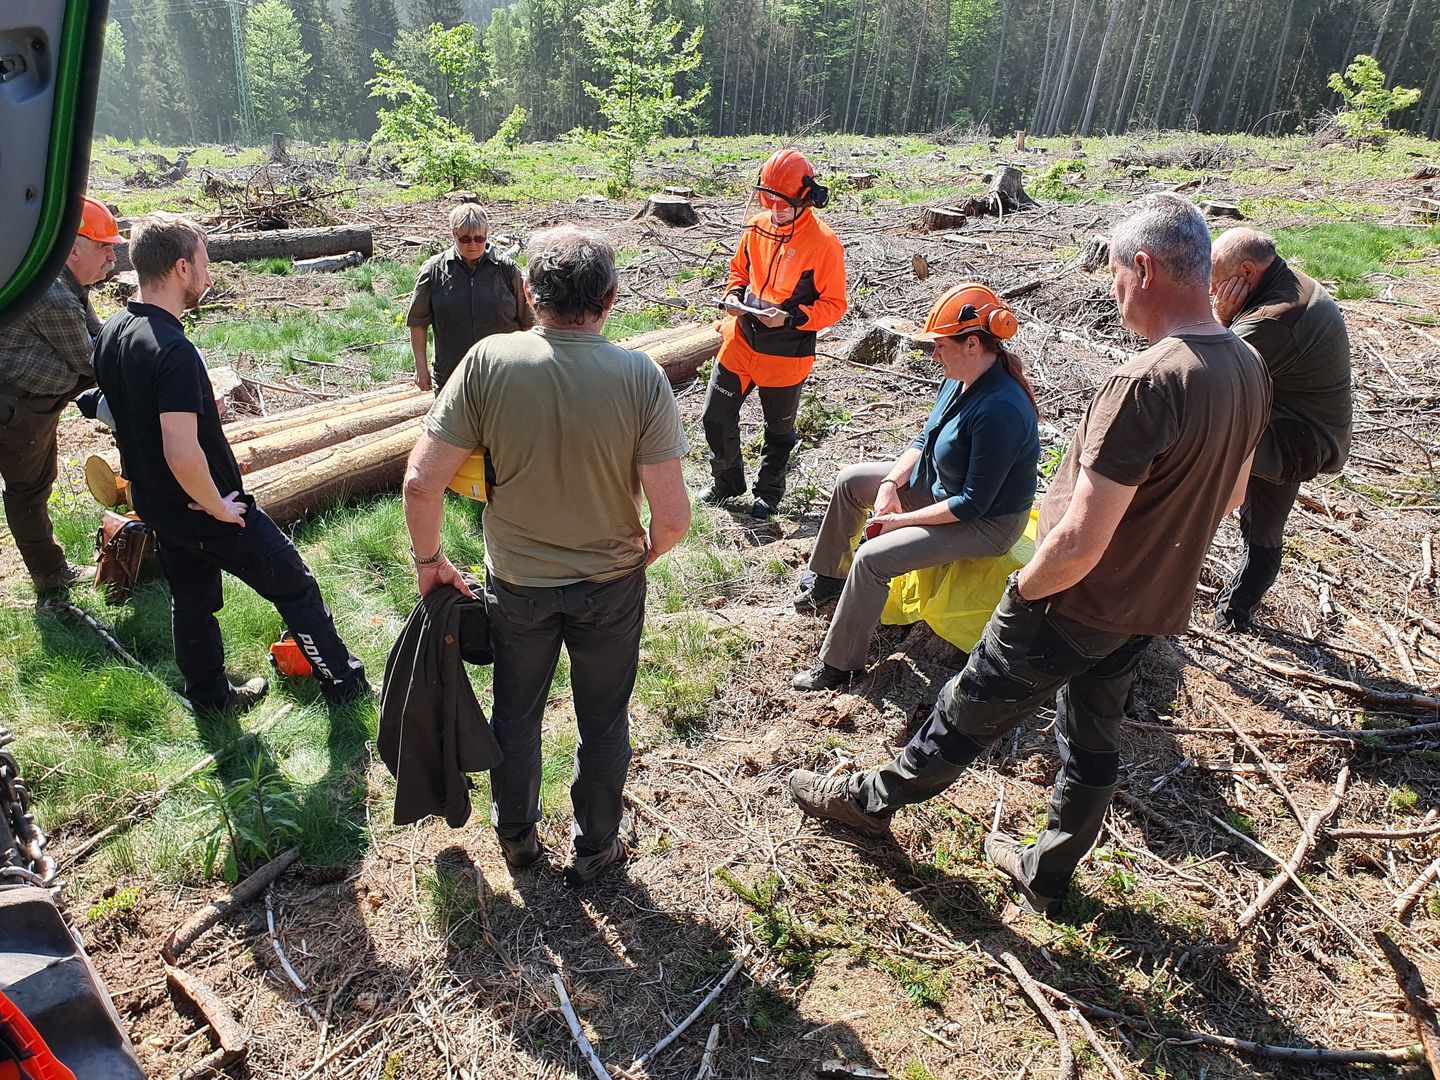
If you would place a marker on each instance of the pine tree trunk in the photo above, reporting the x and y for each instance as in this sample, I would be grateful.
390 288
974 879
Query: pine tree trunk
915 66
1072 82
1133 77
1104 55
1062 73
1395 64
1380 30
999 58
1207 62
1230 102
1279 63
845 122
1045 66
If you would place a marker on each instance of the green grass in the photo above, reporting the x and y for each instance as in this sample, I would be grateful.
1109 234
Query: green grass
1346 252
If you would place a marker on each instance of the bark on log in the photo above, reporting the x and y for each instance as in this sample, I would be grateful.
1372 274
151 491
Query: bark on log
1215 209
1417 999
1095 253
362 466
305 414
291 443
279 243
1006 195
861 181
680 356
671 209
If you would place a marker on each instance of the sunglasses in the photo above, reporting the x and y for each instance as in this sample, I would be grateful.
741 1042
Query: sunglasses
472 239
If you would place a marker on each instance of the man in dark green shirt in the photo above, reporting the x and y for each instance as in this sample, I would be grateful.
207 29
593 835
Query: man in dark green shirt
1298 330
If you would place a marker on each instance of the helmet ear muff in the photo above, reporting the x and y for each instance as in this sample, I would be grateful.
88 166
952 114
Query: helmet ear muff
817 194
1001 322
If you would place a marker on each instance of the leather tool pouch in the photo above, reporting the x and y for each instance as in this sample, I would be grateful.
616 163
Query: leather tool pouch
121 546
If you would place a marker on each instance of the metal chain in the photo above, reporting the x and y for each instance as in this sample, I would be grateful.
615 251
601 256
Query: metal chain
22 843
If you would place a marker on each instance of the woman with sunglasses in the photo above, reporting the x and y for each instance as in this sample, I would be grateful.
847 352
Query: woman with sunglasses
787 282
467 292
962 490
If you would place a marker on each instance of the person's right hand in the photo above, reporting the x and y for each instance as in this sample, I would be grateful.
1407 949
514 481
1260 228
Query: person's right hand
1229 297
433 575
422 380
231 512
887 501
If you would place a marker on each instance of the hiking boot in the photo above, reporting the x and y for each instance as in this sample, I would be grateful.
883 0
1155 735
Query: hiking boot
824 677
716 494
523 852
1233 621
586 868
829 797
1007 854
763 509
58 583
356 688
242 698
816 589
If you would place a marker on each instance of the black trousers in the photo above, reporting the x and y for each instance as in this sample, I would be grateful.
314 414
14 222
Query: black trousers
1026 658
262 557
721 419
599 624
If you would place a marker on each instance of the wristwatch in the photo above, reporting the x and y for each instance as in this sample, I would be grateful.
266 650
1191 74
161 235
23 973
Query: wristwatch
1012 588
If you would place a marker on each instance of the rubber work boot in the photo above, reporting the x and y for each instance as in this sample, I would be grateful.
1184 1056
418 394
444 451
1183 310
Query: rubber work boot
1235 606
828 797
523 852
242 699
816 589
586 868
715 495
824 677
763 509
1007 855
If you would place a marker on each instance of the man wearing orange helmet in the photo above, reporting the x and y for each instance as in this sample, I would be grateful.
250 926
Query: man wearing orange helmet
45 360
787 283
1162 453
962 490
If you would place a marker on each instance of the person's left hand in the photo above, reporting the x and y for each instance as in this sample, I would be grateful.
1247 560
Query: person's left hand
1229 297
774 317
433 575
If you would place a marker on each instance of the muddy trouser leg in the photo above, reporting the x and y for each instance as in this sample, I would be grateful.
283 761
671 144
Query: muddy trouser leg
527 626
602 637
1262 524
867 585
28 461
856 489
780 405
1021 661
1089 710
721 420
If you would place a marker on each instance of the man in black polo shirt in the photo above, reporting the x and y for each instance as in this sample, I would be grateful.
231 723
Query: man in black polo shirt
178 462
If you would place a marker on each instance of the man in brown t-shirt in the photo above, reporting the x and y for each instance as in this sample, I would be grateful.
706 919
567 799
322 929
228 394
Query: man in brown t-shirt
1162 453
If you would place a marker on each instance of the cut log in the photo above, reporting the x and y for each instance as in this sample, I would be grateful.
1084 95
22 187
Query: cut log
1425 209
920 267
293 442
1215 209
280 244
253 429
362 466
884 341
671 209
680 357
329 263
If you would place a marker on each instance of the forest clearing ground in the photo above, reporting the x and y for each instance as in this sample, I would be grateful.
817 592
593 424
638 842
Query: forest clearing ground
421 953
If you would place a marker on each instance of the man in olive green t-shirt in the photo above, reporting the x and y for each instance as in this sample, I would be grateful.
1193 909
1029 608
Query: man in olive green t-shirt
1162 453
576 432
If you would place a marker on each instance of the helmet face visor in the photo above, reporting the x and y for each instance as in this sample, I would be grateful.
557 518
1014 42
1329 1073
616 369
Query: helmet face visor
771 199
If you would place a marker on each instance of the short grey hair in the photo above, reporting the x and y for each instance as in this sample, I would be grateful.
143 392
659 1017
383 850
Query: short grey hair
468 215
1242 244
1173 231
571 272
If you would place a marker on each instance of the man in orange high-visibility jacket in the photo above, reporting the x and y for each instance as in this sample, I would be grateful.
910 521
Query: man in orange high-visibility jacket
787 282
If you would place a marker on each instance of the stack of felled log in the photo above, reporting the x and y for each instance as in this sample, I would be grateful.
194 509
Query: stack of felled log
302 460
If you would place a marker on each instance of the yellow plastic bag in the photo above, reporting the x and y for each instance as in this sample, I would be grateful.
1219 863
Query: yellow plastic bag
958 598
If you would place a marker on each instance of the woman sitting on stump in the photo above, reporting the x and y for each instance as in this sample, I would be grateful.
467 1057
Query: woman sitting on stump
962 490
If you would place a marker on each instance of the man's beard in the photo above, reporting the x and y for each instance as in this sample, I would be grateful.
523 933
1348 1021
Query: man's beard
193 295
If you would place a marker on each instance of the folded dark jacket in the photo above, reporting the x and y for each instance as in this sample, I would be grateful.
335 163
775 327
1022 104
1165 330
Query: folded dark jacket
432 729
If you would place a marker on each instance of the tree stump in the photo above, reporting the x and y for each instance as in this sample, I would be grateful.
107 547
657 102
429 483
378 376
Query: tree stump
860 181
938 218
885 341
920 266
1006 195
1222 210
682 192
278 153
1020 141
1095 253
672 209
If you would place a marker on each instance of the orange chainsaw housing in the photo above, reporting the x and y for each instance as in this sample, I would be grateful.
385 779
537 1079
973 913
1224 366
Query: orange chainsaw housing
289 660
37 1062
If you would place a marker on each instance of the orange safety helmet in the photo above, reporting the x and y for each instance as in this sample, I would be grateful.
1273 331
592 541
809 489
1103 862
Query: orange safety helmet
97 223
969 306
788 174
